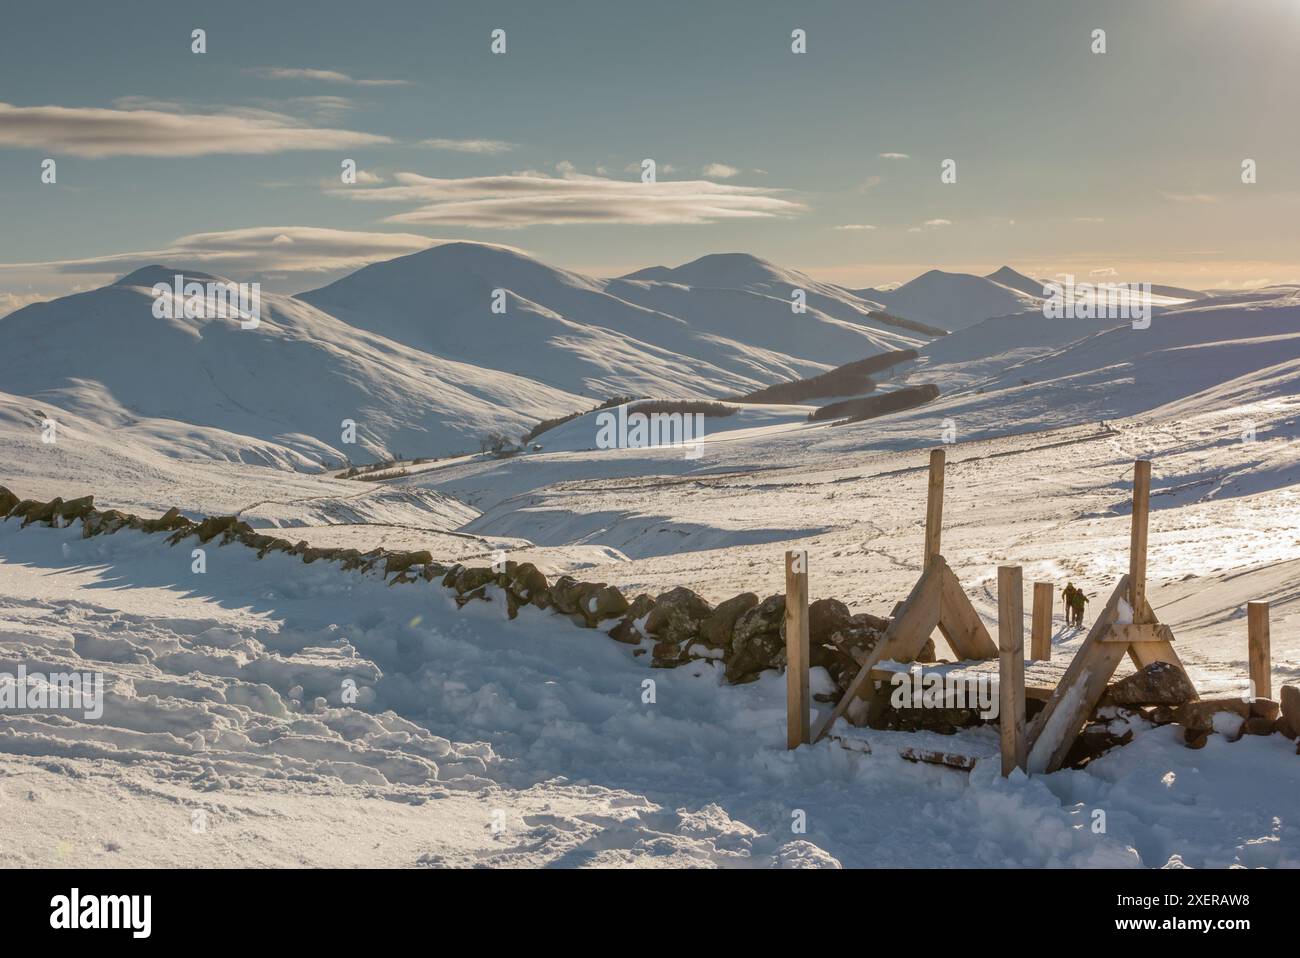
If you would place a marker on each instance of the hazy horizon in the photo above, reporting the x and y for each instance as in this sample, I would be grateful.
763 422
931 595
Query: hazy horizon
1119 165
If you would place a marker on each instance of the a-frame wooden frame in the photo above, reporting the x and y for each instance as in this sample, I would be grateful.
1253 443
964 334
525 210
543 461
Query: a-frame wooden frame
936 601
1144 639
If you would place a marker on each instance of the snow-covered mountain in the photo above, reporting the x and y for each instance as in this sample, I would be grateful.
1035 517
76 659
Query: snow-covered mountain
1012 279
413 352
722 327
280 391
957 300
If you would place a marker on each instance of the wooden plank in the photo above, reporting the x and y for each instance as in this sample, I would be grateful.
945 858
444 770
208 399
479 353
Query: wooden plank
1079 697
1143 654
902 641
934 506
1055 728
963 763
1040 634
1261 663
796 649
960 624
1011 667
1137 547
1132 632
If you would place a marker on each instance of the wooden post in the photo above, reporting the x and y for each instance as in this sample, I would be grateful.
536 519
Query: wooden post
1261 666
1137 547
1011 668
1040 636
934 506
798 725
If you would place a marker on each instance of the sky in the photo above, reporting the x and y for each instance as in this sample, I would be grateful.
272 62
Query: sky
1121 165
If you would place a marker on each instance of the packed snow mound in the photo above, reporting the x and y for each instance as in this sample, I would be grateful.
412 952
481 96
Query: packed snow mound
954 300
292 381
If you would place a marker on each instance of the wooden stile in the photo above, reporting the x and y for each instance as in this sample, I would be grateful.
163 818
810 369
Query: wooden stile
902 641
1040 638
1137 549
798 722
959 623
934 506
1261 667
1011 668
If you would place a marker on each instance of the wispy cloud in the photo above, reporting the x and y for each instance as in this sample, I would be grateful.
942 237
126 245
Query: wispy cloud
855 226
930 225
489 147
893 156
321 107
95 132
528 199
1191 197
720 171
283 249
12 301
320 76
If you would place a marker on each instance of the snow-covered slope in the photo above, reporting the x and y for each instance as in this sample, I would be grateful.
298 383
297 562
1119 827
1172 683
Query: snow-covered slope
291 381
228 738
738 274
226 688
605 337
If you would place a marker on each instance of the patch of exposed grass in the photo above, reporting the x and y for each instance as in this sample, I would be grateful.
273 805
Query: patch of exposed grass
687 407
548 424
847 380
868 407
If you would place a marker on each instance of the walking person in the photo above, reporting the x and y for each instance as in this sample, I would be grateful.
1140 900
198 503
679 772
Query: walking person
1077 603
1067 599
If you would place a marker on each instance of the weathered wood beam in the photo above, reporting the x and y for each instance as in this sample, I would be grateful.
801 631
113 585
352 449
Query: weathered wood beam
796 649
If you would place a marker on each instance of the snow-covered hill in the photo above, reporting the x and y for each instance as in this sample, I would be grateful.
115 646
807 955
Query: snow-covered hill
956 300
226 687
728 330
290 382
413 353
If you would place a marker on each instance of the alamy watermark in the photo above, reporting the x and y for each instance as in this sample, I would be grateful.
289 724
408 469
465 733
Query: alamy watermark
1070 300
638 430
62 691
212 300
917 689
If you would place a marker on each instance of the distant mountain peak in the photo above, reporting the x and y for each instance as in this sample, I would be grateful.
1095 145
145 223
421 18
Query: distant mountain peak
732 270
150 276
1006 276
